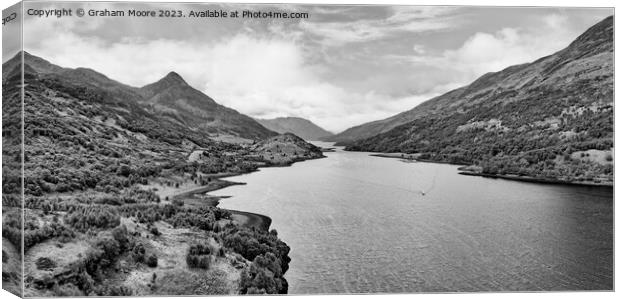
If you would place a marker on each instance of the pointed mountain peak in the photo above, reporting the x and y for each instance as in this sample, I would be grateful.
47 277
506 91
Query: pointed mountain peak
173 78
36 64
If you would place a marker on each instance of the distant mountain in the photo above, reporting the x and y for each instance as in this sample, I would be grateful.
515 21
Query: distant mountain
296 125
373 128
548 118
173 97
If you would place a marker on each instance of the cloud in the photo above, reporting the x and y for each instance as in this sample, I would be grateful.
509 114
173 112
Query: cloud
401 19
337 71
258 76
486 52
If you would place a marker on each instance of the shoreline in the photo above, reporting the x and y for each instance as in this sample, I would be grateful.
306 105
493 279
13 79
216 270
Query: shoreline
252 220
244 218
530 179
464 171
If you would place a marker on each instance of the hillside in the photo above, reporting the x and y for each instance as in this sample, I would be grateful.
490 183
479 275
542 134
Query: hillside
542 119
373 128
285 149
173 98
296 125
435 105
109 190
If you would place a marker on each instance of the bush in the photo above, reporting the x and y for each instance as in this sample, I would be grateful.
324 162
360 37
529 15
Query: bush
67 290
123 170
258 280
85 218
113 291
36 235
252 243
121 236
44 263
203 218
155 231
151 261
138 253
198 261
199 256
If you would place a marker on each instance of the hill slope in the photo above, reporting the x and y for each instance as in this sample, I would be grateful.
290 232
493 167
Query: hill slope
542 119
285 149
171 98
174 98
105 178
296 125
373 128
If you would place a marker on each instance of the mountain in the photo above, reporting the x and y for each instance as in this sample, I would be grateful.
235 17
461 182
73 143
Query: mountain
373 128
296 125
436 104
552 118
89 164
61 102
172 97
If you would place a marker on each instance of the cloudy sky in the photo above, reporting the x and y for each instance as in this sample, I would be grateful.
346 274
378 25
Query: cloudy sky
343 66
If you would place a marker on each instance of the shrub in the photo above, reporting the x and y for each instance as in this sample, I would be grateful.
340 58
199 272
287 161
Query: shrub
121 236
36 235
252 243
155 231
198 261
44 263
258 280
203 218
85 218
113 291
151 261
199 256
67 290
123 170
138 253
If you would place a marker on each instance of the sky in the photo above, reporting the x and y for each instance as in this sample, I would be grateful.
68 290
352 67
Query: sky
341 67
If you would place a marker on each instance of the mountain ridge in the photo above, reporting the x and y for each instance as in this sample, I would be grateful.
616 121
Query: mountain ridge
170 97
299 126
376 127
542 119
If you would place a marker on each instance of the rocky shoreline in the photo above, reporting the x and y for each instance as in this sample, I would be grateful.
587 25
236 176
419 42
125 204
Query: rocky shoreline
530 179
200 196
472 170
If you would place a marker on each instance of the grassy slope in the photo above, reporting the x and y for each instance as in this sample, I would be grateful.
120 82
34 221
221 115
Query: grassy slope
90 150
526 120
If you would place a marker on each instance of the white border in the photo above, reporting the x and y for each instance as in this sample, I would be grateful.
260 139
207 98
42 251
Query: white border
561 3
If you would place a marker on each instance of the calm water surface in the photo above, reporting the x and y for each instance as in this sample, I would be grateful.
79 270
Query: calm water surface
357 223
